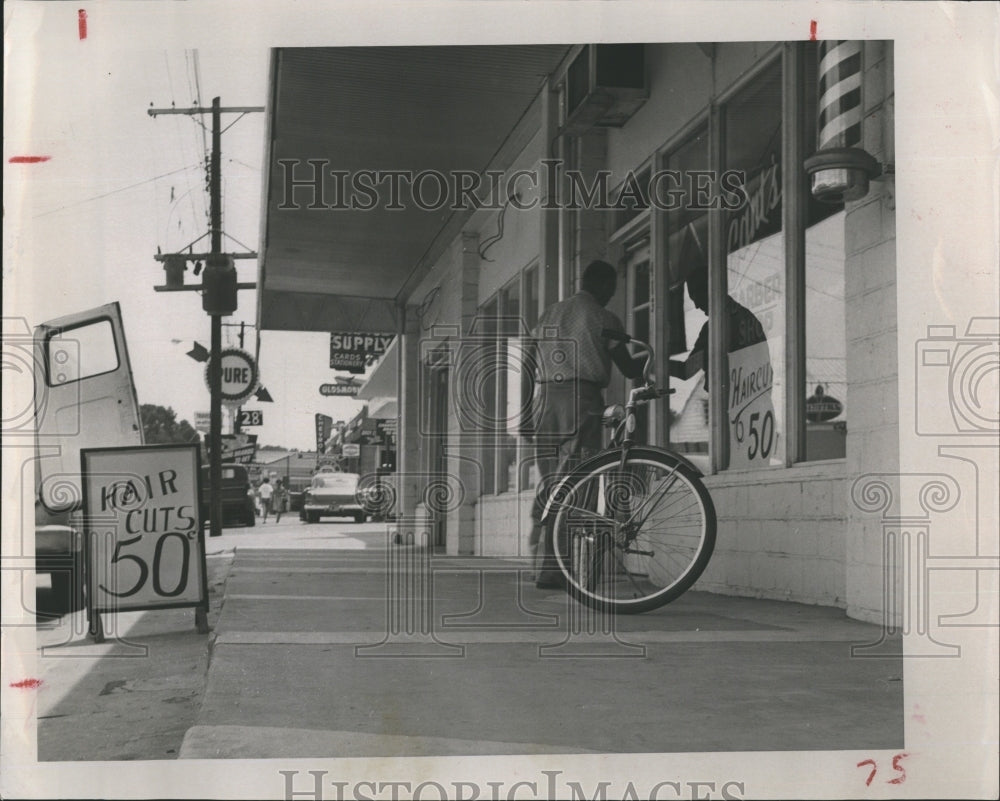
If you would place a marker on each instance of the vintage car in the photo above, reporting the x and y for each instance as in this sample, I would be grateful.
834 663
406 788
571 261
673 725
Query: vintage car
332 495
237 497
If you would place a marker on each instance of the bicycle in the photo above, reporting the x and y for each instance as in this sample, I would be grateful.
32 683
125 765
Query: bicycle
634 526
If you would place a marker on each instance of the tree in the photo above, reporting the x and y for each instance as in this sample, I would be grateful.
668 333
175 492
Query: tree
160 425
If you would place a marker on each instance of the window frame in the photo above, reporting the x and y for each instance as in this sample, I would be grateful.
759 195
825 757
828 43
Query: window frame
794 223
492 477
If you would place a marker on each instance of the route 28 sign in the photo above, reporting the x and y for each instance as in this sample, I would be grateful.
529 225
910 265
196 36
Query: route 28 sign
240 376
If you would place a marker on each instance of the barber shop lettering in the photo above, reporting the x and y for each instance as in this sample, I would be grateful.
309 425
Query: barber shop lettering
762 201
753 438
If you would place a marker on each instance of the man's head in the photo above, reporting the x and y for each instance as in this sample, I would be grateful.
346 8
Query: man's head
697 284
600 280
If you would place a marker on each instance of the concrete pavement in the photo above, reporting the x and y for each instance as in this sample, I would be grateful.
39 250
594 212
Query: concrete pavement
325 644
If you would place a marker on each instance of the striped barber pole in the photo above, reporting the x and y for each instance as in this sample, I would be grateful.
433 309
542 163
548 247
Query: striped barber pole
839 94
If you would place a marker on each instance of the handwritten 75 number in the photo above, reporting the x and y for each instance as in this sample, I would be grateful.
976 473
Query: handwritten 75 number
895 766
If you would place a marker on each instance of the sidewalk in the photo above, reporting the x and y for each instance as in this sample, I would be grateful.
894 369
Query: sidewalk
311 660
314 654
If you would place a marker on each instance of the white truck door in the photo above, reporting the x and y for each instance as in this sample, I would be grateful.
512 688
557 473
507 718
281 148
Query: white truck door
84 398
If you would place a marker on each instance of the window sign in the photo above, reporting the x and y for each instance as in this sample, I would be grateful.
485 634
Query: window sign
144 532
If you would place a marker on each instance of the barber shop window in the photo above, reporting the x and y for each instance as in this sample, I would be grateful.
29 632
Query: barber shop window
825 340
507 317
755 271
686 249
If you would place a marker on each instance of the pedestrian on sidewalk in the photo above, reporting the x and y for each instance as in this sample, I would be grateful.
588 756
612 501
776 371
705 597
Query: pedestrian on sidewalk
566 413
266 493
280 500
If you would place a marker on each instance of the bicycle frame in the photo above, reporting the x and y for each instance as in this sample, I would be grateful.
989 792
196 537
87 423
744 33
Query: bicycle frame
621 437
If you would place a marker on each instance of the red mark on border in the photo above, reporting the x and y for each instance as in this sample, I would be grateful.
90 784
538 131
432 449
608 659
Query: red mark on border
871 775
81 20
812 30
897 767
26 684
28 159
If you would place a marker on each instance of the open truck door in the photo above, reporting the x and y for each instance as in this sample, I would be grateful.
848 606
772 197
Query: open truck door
84 398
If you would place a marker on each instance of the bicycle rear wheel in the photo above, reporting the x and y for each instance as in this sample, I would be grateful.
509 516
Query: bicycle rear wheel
635 538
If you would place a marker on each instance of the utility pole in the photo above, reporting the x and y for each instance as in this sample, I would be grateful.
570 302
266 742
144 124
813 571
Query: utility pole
218 288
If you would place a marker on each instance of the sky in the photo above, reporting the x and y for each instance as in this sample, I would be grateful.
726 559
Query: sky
82 227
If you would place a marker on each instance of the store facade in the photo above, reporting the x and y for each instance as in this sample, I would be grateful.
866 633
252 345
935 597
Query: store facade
689 175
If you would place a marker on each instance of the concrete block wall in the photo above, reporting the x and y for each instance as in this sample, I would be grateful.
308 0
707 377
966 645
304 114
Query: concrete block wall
872 357
506 523
781 535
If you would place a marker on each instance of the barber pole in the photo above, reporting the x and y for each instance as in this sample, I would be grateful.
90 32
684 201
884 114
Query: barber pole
840 169
839 94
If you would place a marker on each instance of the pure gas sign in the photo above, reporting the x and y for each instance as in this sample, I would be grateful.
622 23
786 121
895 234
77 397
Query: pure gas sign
240 376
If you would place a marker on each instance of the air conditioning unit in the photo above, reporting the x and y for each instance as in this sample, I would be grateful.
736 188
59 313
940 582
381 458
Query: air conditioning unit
605 86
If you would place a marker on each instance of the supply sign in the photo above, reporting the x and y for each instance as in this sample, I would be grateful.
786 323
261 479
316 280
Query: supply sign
354 351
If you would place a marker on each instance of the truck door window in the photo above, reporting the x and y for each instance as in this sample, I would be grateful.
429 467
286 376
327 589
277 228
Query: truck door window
73 354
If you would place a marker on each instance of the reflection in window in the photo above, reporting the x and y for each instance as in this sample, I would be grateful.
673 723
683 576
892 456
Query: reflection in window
687 255
77 353
755 318
826 341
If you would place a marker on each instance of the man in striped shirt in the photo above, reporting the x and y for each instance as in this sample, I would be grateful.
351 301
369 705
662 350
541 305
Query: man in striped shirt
571 363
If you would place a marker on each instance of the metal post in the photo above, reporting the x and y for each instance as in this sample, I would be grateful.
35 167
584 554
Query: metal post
214 370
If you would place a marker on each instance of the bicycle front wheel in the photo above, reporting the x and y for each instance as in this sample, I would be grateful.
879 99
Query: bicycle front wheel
633 538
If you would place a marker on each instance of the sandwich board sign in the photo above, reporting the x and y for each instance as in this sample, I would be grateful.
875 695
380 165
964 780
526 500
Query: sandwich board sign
144 536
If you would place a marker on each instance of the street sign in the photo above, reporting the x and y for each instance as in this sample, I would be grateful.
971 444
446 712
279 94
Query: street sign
349 390
354 351
324 425
350 449
202 421
251 417
240 376
240 448
145 537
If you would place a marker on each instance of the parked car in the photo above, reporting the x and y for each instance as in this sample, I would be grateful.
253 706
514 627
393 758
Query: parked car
332 494
58 553
237 495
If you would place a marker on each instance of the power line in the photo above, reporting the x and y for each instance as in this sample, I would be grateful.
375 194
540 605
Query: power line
115 191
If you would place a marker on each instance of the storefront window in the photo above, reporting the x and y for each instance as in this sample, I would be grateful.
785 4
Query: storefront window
687 258
755 313
826 340
638 320
530 314
510 331
488 316
507 318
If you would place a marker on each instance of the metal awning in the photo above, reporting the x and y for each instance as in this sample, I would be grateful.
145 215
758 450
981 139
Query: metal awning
382 383
376 108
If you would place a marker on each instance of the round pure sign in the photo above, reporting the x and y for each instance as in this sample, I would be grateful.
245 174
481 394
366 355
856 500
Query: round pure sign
240 376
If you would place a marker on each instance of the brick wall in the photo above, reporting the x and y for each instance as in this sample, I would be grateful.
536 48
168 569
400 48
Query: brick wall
780 534
872 361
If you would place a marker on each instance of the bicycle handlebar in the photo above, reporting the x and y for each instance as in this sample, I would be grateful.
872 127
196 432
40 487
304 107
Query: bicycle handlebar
610 333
